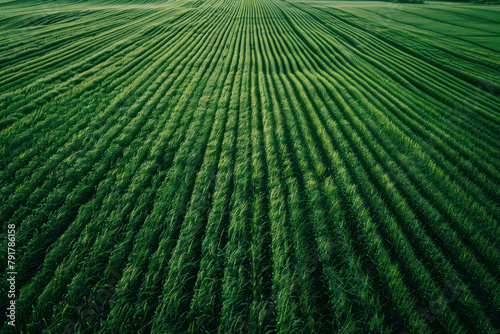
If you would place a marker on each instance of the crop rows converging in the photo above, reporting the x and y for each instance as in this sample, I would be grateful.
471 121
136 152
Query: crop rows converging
245 166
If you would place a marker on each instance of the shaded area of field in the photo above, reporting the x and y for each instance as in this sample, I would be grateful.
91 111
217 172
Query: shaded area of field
252 166
470 26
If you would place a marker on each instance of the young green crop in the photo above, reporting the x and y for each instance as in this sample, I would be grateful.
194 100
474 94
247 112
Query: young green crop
254 166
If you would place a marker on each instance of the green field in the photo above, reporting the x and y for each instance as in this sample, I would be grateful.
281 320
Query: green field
250 166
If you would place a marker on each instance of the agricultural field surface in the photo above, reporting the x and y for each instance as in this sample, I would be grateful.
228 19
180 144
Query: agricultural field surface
249 166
